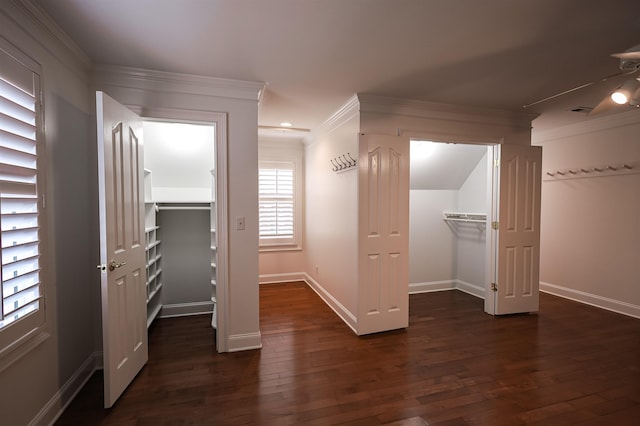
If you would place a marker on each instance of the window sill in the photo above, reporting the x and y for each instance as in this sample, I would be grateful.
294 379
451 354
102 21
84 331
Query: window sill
269 249
12 353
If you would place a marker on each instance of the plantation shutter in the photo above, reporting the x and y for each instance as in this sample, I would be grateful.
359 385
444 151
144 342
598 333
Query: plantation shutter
19 222
276 202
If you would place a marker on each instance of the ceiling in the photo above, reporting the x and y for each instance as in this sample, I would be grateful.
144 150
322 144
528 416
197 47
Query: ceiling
314 55
442 166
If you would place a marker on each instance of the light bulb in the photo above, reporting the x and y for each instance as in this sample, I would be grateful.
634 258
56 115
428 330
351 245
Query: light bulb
623 93
619 97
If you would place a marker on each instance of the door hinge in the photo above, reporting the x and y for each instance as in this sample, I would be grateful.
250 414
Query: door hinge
494 225
496 163
494 287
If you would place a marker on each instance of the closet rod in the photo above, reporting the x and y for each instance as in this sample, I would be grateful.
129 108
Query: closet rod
183 208
465 220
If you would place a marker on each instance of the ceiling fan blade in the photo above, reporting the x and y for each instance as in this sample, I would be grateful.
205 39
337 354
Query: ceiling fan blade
632 53
605 105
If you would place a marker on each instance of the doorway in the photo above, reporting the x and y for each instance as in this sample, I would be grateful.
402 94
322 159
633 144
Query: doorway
450 203
180 218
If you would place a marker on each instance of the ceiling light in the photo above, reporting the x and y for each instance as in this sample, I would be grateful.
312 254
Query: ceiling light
286 124
623 93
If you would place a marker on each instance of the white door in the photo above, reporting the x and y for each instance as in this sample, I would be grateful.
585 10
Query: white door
517 264
122 245
383 220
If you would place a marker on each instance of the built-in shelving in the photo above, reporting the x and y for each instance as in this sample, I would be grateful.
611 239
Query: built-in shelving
153 253
214 251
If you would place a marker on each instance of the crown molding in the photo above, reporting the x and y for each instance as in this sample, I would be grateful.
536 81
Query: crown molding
162 81
345 113
438 111
614 121
40 22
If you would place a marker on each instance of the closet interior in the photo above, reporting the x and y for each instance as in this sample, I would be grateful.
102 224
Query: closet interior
450 197
180 219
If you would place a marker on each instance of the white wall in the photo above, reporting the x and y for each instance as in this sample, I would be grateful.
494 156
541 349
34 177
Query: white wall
36 386
331 202
432 243
590 228
180 157
471 241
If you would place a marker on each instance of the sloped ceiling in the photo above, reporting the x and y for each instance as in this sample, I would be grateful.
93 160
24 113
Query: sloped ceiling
314 55
446 166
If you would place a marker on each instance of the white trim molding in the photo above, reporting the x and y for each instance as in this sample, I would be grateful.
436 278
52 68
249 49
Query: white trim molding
444 112
186 309
472 289
282 278
347 316
162 81
431 286
244 342
585 127
345 113
591 299
446 285
68 391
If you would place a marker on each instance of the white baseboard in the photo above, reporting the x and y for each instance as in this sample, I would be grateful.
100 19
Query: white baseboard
67 392
337 307
592 299
185 309
427 287
472 289
282 278
245 342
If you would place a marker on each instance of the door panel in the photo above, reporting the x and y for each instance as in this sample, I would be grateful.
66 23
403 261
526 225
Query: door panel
518 260
124 319
383 283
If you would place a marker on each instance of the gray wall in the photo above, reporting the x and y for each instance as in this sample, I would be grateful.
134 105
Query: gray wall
186 256
35 386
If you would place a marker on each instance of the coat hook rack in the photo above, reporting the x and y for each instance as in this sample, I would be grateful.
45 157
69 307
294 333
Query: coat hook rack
341 163
584 172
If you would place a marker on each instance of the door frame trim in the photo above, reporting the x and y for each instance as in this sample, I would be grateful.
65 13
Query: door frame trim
222 215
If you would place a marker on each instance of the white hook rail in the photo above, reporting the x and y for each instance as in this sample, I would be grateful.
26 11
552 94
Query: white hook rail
595 171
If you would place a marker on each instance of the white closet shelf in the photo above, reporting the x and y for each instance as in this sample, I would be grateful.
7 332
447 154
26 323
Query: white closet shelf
153 277
153 244
153 314
154 292
465 217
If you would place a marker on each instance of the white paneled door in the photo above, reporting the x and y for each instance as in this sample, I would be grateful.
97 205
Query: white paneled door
383 259
122 245
518 234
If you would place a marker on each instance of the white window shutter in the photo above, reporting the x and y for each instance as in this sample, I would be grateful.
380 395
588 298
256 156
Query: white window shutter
19 221
276 202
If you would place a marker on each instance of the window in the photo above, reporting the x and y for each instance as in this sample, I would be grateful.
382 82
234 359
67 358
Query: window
279 187
276 202
21 293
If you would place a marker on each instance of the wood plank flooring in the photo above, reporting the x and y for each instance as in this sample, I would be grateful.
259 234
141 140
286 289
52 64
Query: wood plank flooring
454 365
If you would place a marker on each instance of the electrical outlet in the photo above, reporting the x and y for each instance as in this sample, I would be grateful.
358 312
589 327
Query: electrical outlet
316 269
240 223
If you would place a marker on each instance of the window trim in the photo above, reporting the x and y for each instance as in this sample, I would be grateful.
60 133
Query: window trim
290 152
22 336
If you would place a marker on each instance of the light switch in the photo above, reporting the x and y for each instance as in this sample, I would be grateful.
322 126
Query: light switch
240 223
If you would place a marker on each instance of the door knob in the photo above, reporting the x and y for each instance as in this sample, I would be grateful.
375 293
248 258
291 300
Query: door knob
113 265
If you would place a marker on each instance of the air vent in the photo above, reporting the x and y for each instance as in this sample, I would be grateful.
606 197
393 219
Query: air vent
583 109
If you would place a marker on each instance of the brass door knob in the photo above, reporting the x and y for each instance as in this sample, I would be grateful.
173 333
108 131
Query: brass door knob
113 265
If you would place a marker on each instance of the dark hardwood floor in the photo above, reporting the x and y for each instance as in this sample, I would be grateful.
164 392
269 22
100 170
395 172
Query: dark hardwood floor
454 365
